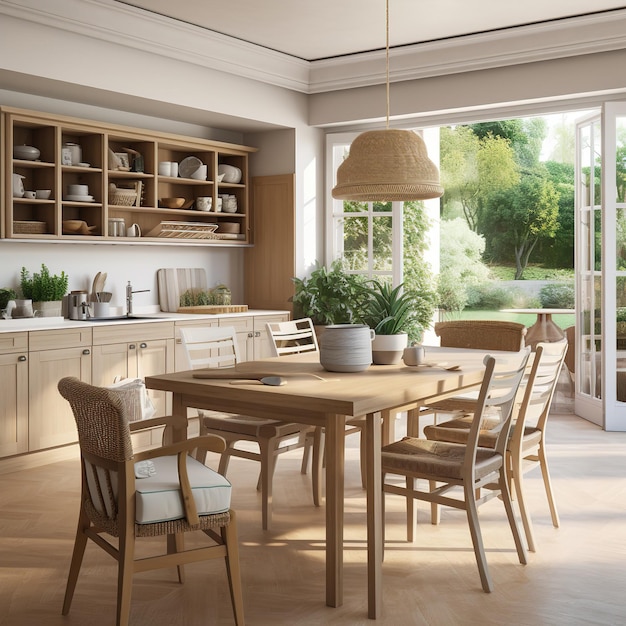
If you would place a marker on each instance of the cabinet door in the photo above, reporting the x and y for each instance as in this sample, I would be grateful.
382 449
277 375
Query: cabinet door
111 361
14 405
152 358
51 422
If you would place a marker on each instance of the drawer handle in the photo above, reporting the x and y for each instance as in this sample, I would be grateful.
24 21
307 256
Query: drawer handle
86 351
257 333
143 345
132 346
21 358
250 335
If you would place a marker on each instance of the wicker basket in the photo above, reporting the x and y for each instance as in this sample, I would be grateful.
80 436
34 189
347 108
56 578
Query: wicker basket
29 228
123 197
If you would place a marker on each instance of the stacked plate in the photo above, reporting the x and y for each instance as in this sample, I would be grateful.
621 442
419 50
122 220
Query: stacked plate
73 198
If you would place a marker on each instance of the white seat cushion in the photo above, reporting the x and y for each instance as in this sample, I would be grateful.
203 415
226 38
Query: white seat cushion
157 497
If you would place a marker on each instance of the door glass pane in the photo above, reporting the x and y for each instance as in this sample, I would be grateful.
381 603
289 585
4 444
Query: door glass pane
382 242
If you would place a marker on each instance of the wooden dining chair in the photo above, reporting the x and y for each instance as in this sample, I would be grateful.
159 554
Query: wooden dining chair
295 337
479 472
526 447
128 495
216 347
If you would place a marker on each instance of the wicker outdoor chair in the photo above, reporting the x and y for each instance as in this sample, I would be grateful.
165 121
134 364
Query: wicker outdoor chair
115 502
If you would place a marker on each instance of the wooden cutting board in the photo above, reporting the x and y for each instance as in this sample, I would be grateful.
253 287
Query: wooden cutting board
214 309
173 282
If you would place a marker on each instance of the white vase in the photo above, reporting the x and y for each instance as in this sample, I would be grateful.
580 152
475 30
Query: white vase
48 309
388 349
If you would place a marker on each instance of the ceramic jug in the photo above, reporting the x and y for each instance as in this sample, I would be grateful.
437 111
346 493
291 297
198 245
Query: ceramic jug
346 347
18 186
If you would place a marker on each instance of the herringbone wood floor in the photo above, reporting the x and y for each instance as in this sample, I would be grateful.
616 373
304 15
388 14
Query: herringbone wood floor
577 576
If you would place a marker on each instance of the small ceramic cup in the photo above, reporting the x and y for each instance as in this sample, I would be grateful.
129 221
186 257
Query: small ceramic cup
414 355
43 194
30 194
165 168
133 231
204 203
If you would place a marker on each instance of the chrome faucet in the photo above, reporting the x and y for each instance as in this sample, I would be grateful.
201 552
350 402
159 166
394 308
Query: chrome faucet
129 297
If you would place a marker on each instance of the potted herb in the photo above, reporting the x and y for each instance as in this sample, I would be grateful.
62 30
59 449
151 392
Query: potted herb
329 295
392 313
46 291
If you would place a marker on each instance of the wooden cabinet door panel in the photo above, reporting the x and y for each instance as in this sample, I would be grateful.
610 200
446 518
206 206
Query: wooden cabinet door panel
51 422
14 405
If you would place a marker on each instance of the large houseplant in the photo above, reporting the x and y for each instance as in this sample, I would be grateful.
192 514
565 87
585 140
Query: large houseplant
43 289
393 313
330 295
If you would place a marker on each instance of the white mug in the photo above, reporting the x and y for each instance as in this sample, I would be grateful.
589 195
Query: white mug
29 194
165 168
133 230
414 355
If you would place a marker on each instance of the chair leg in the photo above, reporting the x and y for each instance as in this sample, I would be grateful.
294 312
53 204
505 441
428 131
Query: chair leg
435 511
229 536
477 539
518 482
508 507
77 558
316 470
225 458
268 459
125 578
176 544
543 462
306 452
410 509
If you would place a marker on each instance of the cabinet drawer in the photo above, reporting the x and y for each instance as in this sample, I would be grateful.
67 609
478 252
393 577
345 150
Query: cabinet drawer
13 342
53 339
132 332
240 324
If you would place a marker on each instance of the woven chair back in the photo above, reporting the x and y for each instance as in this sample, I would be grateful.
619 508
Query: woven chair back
100 418
481 334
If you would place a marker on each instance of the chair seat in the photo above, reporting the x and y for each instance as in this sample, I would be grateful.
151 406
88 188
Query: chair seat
157 498
250 426
456 431
430 459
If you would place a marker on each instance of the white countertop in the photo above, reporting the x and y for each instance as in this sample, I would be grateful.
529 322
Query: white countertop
55 323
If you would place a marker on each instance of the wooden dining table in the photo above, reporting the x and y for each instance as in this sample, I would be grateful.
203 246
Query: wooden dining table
317 397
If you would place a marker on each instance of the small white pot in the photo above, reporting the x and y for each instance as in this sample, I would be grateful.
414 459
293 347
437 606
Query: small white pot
388 349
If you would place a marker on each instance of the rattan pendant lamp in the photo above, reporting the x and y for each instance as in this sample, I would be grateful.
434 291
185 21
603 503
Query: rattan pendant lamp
387 165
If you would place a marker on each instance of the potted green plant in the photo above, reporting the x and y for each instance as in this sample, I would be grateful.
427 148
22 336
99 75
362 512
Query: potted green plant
330 295
46 291
392 313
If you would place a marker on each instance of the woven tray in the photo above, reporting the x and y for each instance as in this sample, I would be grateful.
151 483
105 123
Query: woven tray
29 227
184 230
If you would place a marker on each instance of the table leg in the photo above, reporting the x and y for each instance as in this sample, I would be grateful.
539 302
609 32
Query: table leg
335 462
177 432
374 517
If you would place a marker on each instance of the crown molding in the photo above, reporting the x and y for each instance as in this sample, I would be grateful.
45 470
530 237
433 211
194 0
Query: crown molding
542 42
128 26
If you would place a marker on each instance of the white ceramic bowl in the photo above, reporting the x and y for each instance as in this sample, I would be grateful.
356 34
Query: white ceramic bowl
43 194
231 173
28 153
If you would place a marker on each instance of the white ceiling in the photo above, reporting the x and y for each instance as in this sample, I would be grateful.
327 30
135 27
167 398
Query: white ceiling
319 29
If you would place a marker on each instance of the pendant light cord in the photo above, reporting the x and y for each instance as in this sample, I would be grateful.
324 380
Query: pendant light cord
387 56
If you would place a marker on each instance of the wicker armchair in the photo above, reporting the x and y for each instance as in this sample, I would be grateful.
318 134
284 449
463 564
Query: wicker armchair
115 502
526 447
479 472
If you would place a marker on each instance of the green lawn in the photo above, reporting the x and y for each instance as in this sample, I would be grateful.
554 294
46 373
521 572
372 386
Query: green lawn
527 319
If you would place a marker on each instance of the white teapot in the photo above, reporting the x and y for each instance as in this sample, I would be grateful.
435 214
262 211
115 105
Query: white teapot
18 186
